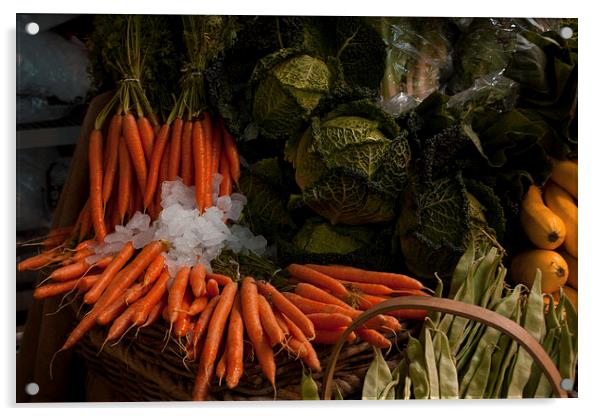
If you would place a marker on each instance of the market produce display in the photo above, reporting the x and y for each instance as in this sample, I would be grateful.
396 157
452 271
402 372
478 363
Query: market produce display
288 173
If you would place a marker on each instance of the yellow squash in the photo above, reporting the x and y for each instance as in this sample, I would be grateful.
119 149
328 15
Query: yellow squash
544 228
554 270
563 205
564 173
573 269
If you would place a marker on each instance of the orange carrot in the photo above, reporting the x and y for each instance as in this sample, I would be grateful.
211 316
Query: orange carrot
112 311
128 275
331 336
229 148
215 334
84 226
225 188
323 320
147 135
310 357
36 261
212 288
176 149
310 306
112 156
198 305
287 308
96 175
305 274
220 370
365 302
234 345
197 280
315 293
126 252
265 356
202 322
352 274
162 176
157 155
155 312
134 145
146 304
221 279
376 289
373 337
135 292
176 293
85 244
199 156
249 300
182 323
216 150
153 270
54 289
125 180
122 322
208 174
268 322
70 271
187 168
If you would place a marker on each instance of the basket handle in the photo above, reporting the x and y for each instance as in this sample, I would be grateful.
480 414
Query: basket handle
466 310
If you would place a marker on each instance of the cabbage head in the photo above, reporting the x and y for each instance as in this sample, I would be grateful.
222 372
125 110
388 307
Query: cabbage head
289 87
351 165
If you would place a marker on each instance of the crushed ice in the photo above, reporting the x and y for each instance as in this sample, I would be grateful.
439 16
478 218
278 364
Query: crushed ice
192 238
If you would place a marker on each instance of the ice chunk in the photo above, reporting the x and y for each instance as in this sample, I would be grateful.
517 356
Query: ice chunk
216 180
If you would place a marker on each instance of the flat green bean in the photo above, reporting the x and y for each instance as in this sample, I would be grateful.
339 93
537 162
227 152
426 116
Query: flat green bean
417 369
475 388
448 377
377 377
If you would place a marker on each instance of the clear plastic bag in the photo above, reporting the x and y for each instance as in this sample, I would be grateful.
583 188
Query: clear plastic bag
418 59
492 90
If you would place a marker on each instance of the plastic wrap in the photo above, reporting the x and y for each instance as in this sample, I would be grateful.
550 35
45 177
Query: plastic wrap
418 59
483 48
35 109
492 90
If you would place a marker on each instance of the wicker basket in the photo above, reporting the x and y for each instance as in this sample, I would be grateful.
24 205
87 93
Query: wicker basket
138 370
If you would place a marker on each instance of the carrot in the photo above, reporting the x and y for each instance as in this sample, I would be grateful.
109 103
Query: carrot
373 337
134 145
157 155
365 302
78 256
112 156
305 274
216 150
281 322
225 188
310 357
291 344
162 176
268 322
112 311
135 292
331 336
229 148
54 289
202 323
315 293
176 149
36 261
102 263
70 271
125 180
393 280
212 288
199 152
182 323
265 356
373 288
214 335
287 308
208 174
234 345
221 279
84 226
96 175
198 305
176 294
146 304
155 312
220 370
126 252
147 135
186 167
122 322
153 270
128 275
249 300
323 320
197 280
85 244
